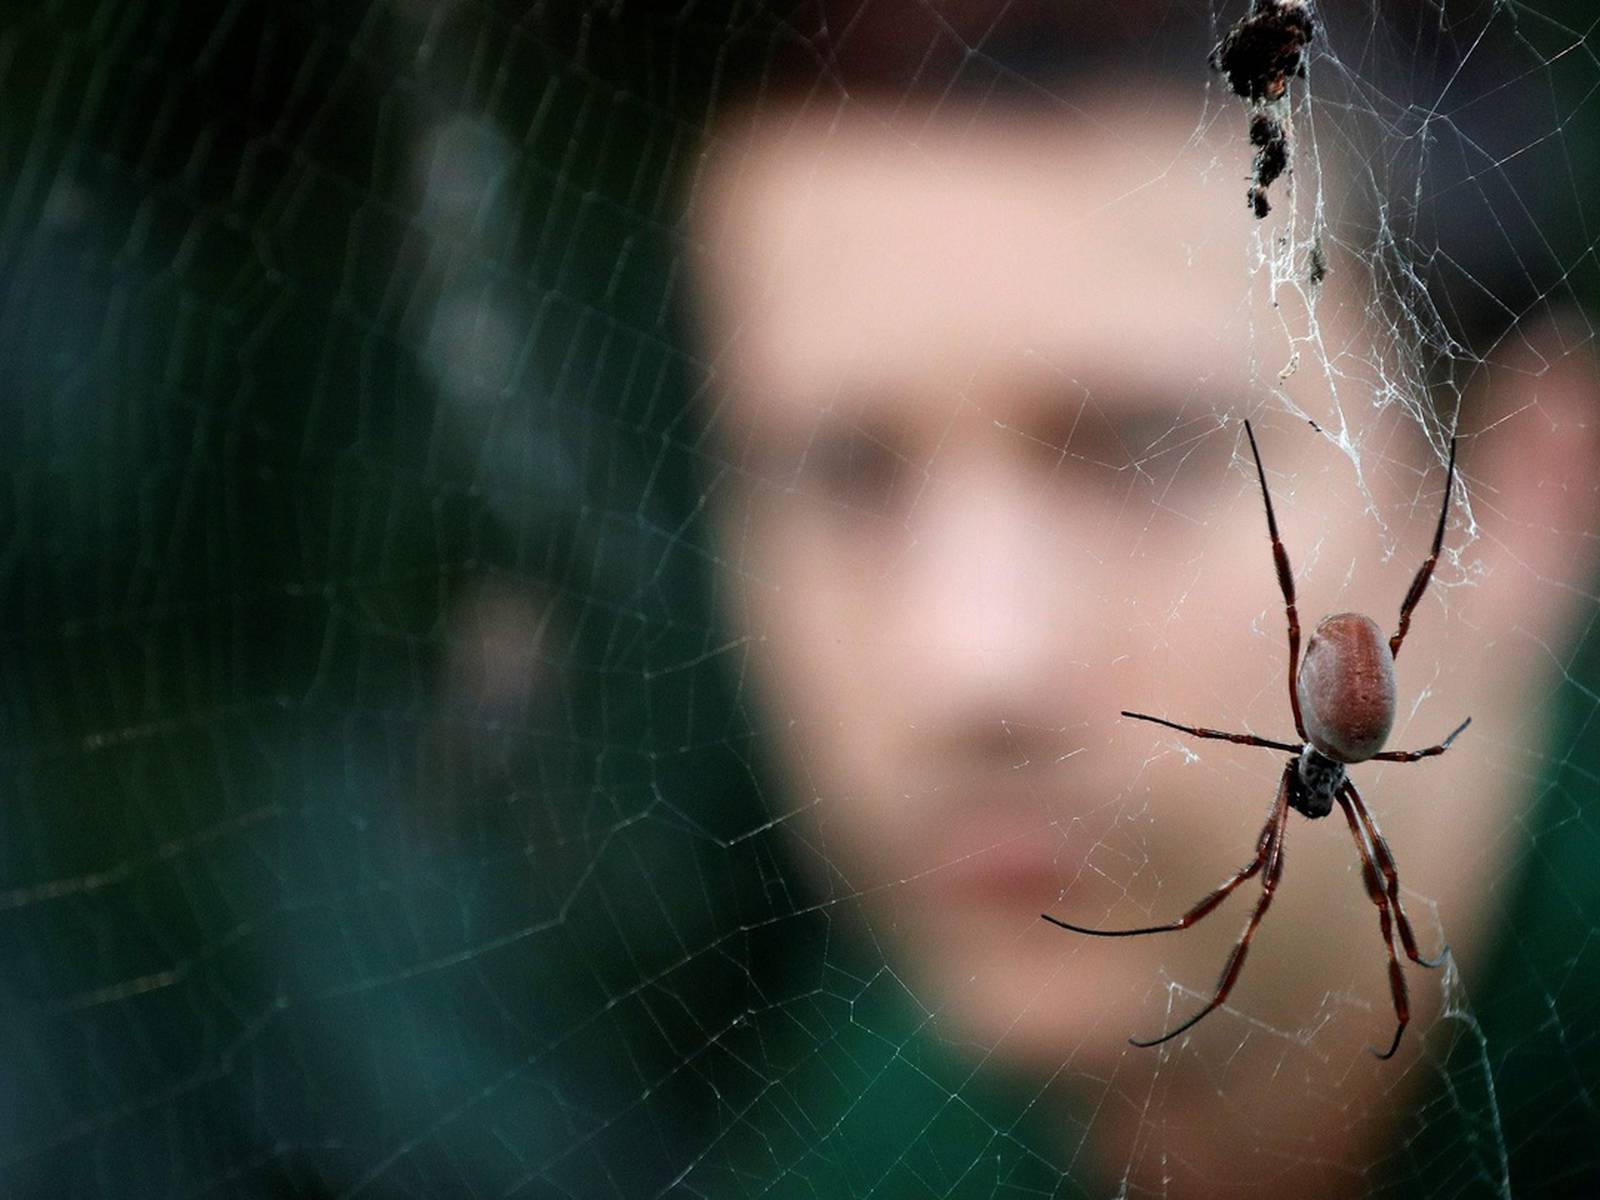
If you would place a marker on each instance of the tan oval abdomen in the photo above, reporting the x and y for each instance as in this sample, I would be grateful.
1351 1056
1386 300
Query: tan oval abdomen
1346 688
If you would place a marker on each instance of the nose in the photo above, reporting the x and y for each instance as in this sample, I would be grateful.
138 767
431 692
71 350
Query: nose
985 603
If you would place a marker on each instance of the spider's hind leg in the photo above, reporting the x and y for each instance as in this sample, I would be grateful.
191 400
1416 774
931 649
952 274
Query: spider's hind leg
1425 572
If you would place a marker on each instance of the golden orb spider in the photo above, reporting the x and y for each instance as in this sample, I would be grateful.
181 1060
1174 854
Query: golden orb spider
1343 699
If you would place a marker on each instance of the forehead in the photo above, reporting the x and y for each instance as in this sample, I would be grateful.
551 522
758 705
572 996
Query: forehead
1112 250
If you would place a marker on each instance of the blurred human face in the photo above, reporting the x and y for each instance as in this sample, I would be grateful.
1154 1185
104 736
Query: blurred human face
978 396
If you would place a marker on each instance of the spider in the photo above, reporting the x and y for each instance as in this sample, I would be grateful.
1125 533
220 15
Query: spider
1343 699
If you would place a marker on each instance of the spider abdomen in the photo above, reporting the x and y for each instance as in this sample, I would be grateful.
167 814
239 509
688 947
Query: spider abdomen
1346 688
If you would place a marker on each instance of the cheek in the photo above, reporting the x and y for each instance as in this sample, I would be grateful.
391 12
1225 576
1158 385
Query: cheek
1211 620
824 730
801 605
820 679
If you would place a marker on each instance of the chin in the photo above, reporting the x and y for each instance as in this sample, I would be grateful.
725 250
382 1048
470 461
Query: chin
1026 1009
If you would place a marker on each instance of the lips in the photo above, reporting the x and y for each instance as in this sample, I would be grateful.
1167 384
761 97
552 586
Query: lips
1006 851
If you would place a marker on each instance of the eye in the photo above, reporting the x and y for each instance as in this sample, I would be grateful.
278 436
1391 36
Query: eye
1151 450
854 466
1173 452
1127 445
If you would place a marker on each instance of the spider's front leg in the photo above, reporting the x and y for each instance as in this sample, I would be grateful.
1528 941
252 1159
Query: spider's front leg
1271 858
1375 892
1384 861
1205 908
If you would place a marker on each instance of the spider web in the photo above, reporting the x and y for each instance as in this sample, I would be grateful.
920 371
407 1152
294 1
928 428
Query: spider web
393 808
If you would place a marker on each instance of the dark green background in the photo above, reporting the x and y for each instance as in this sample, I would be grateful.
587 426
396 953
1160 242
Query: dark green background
281 916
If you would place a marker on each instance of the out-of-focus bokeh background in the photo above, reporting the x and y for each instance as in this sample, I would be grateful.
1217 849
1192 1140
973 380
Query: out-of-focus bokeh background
384 806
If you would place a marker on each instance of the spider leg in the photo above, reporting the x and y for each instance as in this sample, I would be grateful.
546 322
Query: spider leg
1425 572
1397 979
1413 755
1385 861
1243 739
1206 906
1272 858
1280 559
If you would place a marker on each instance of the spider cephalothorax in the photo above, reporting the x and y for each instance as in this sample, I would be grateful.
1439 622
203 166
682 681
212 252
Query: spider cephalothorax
1342 695
1317 781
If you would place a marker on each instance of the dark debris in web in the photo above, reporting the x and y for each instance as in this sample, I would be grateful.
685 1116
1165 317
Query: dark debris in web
1264 50
1271 141
1260 54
